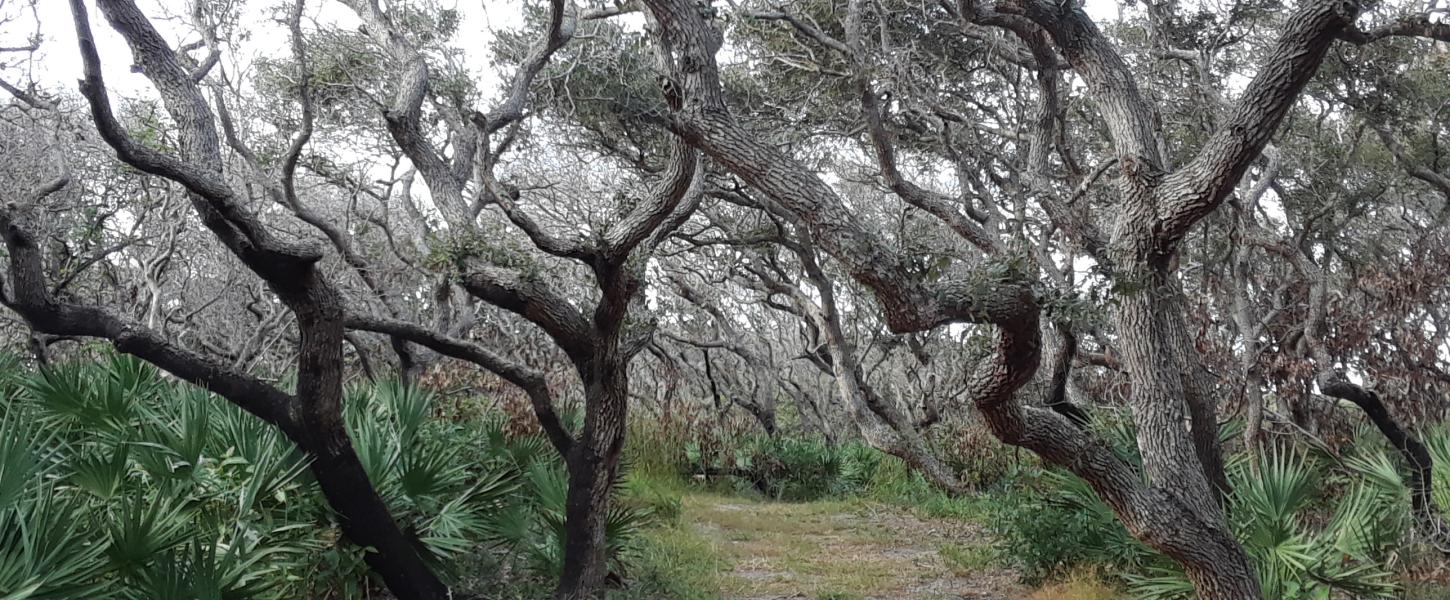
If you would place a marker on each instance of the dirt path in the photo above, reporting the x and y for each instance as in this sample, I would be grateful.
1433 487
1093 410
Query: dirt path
846 551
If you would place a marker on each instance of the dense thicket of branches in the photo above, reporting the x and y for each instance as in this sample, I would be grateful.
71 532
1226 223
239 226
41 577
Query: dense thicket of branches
843 217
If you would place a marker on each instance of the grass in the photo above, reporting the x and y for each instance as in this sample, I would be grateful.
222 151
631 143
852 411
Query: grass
839 549
899 538
661 495
895 485
965 559
675 563
1427 590
1081 584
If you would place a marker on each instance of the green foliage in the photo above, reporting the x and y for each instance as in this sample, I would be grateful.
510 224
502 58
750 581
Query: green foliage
76 395
1437 442
528 528
46 551
967 559
978 458
604 85
147 125
674 563
660 495
118 483
795 469
452 253
1273 514
1315 525
414 462
661 449
535 530
149 498
895 483
1056 523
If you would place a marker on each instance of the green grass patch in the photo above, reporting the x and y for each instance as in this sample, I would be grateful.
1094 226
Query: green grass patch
674 563
894 484
966 559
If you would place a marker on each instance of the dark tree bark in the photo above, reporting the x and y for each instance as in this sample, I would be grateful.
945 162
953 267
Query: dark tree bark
1061 370
315 426
1421 478
593 469
1335 384
312 418
599 345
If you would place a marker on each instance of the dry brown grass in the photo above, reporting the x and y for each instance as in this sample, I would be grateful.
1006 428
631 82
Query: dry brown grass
1084 584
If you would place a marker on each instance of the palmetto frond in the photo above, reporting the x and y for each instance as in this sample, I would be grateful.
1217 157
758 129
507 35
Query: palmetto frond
48 551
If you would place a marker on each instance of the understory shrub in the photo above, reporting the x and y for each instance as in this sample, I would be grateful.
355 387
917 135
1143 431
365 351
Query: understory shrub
1055 522
977 457
1302 550
794 469
116 482
1315 523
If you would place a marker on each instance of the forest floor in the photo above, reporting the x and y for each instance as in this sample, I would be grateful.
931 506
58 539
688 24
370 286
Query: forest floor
844 550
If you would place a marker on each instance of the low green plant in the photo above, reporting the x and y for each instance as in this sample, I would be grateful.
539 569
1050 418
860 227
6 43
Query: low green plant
793 469
672 562
977 457
532 531
896 484
116 482
965 560
1296 556
1055 523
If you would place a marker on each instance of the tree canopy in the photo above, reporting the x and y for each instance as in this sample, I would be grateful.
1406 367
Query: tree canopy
851 219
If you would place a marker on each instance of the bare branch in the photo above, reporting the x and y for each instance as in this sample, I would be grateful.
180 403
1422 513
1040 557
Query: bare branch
33 301
563 18
1411 26
532 299
1193 191
531 381
683 178
567 248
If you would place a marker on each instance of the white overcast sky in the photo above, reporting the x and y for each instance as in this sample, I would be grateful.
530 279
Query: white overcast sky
58 63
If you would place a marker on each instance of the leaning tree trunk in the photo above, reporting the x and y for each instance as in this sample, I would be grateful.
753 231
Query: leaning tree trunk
900 437
1175 512
880 421
366 521
1213 561
883 425
758 405
1249 329
1334 384
1202 403
362 513
313 417
1417 457
1149 335
593 463
39 348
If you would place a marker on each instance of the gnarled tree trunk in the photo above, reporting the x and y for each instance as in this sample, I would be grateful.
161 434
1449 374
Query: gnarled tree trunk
312 418
593 464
